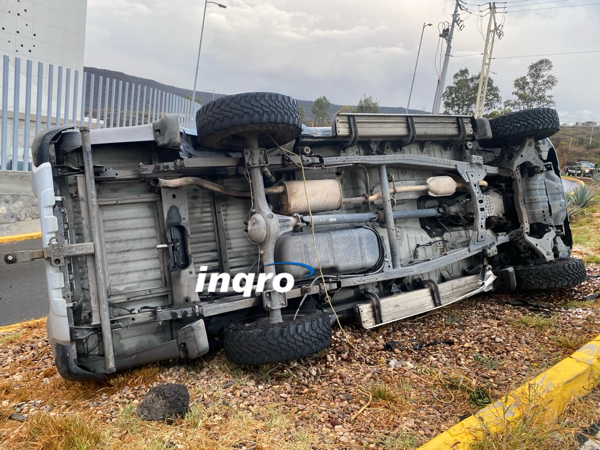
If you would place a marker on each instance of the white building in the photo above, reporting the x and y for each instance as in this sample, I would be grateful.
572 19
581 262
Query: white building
50 32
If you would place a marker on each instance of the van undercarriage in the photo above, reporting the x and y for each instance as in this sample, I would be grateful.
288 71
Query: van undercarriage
378 218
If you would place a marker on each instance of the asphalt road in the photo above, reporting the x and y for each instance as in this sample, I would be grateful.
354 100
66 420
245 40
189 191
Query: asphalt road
570 185
23 292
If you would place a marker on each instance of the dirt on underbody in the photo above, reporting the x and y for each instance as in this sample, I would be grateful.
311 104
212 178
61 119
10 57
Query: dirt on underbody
393 387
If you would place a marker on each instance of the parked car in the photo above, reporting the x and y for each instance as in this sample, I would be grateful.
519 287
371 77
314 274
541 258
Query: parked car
581 169
257 234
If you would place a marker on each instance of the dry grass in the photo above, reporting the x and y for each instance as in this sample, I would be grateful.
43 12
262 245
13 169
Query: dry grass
586 234
535 321
61 433
570 342
381 392
9 338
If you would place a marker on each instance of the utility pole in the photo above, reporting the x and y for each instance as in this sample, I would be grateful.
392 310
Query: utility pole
442 79
591 135
484 75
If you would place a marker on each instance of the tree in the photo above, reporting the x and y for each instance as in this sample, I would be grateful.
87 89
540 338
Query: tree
460 98
320 110
346 109
367 105
189 97
302 112
532 89
498 112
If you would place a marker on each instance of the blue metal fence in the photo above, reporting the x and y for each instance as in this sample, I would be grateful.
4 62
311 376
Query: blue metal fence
33 98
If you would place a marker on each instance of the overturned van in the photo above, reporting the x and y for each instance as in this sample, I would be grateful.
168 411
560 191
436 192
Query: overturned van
256 233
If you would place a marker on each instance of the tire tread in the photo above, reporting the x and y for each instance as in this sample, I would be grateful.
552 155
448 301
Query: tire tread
538 123
277 343
262 112
557 274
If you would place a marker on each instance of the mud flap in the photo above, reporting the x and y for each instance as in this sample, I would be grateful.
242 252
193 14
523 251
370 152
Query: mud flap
193 341
66 367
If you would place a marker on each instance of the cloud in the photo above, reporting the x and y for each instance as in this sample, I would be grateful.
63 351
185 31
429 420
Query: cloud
339 48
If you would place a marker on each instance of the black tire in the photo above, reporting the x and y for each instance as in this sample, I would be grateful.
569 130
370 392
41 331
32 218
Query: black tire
557 274
222 123
255 341
512 128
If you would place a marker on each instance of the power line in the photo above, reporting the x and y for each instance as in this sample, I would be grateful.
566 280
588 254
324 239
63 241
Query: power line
547 54
528 56
551 7
532 4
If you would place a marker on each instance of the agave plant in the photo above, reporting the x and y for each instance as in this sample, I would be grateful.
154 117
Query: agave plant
580 199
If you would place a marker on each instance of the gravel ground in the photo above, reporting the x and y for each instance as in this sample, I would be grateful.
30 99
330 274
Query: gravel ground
394 387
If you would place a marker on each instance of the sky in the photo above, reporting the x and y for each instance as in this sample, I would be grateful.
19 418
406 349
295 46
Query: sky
345 49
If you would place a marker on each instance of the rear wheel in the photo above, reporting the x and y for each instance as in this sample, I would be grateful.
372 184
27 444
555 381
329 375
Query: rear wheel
223 123
512 128
556 274
256 341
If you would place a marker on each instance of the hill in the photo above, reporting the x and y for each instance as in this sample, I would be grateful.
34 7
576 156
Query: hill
573 144
205 97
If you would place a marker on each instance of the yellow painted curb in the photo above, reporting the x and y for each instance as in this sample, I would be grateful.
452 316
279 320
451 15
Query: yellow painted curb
20 237
551 391
576 180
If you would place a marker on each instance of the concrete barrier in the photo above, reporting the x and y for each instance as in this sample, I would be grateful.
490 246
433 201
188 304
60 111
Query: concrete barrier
17 201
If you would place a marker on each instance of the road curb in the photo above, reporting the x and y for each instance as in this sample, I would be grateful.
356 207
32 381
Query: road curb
20 237
576 180
552 390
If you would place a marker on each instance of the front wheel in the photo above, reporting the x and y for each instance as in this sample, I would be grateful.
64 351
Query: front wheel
256 341
556 274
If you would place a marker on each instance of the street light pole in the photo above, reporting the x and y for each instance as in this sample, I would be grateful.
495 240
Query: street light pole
416 64
206 2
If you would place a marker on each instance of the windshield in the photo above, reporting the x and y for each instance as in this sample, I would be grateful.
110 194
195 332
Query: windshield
587 165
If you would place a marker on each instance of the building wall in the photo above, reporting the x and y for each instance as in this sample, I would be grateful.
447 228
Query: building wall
50 31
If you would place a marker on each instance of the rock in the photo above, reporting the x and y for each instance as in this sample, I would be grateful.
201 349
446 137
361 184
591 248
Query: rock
164 401
391 345
17 417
